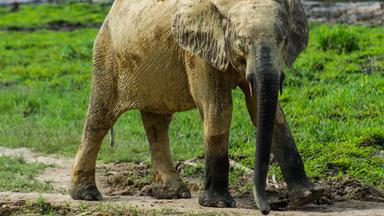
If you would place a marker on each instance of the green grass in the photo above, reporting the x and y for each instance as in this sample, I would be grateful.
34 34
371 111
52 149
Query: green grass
338 38
19 176
334 103
35 16
333 100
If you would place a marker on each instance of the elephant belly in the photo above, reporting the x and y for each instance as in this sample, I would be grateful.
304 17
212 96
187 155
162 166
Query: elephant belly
156 89
151 73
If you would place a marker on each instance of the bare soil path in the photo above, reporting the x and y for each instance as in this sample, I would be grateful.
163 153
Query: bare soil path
116 180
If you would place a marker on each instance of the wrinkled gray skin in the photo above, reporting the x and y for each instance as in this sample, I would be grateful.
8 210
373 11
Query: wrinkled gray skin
166 56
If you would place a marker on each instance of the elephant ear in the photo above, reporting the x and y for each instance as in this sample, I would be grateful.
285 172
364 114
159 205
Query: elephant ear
298 31
197 27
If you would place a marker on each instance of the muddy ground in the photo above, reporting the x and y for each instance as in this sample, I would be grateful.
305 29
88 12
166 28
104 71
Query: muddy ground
126 186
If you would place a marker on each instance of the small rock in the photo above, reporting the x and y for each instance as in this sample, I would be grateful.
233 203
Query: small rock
380 154
20 202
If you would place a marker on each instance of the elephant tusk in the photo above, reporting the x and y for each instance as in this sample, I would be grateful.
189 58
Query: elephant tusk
251 88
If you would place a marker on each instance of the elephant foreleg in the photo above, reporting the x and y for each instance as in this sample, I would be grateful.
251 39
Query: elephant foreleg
216 131
213 98
167 183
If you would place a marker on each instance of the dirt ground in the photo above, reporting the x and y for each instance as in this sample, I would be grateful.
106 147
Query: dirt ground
128 185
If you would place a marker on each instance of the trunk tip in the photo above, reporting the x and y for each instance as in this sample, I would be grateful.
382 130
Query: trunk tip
265 212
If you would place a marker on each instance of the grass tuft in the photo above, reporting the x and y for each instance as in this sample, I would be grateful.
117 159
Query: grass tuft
19 176
339 38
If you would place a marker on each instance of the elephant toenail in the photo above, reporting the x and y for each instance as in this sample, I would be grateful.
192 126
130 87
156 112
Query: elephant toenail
186 194
88 197
203 202
318 188
233 204
221 204
307 193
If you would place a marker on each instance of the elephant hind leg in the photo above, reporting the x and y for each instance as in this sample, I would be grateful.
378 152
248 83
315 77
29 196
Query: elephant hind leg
100 117
167 183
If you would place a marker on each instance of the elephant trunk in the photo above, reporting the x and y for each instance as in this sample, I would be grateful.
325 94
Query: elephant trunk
263 78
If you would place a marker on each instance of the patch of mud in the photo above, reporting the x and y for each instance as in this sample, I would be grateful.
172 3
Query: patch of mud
348 188
134 179
5 85
129 184
58 25
20 207
124 179
375 141
122 182
38 204
10 2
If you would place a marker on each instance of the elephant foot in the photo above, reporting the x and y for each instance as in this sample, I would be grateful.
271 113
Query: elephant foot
83 186
171 191
87 192
215 199
301 196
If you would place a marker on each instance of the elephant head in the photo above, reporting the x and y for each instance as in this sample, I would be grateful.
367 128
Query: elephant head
256 38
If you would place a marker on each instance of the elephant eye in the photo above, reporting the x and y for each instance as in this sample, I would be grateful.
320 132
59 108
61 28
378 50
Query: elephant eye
240 60
280 33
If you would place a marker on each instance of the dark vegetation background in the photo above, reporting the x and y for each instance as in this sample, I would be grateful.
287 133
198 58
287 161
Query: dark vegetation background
333 96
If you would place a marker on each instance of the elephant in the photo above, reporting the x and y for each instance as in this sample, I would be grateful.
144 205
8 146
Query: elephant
167 56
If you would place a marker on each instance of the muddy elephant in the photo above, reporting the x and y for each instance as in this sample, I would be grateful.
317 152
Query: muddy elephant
167 56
